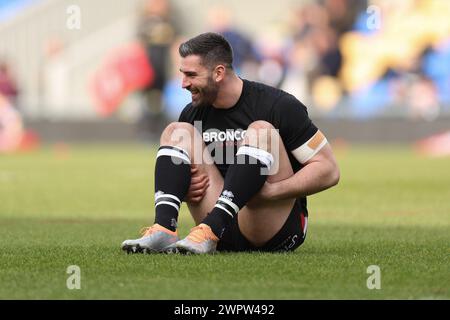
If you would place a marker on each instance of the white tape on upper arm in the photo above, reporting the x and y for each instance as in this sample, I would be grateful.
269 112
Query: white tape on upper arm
310 148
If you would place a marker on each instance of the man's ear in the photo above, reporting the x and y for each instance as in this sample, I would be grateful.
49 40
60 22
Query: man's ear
219 72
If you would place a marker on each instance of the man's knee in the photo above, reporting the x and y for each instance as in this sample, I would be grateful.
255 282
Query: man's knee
261 125
261 134
176 133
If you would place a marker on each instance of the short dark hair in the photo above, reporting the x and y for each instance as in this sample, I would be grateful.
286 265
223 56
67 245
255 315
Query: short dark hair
213 48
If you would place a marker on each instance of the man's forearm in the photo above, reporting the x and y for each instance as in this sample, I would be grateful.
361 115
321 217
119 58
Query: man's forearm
313 178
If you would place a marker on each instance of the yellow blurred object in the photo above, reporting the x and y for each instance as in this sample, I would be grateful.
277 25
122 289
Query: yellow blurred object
408 28
326 93
364 60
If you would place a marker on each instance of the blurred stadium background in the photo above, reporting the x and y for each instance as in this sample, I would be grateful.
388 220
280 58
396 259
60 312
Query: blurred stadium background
87 86
369 71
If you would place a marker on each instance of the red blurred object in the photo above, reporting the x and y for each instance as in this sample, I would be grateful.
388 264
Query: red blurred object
128 69
30 141
437 145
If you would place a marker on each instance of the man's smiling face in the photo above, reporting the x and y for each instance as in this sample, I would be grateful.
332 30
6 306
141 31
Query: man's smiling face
197 78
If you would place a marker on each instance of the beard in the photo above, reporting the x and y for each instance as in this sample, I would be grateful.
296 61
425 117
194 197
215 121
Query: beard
205 96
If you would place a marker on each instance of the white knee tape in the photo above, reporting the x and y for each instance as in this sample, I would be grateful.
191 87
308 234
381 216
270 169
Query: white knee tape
262 155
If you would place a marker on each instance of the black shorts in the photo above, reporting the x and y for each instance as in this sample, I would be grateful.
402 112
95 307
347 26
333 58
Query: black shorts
289 238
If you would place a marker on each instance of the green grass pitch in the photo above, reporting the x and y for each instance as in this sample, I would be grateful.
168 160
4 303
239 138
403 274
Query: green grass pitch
74 206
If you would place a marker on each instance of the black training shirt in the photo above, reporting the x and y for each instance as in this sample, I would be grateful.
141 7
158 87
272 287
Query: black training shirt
222 129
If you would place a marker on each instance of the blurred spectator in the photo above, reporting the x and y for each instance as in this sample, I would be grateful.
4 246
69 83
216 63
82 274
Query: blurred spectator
272 65
11 127
436 66
55 78
220 20
157 31
325 43
423 100
175 98
300 60
343 13
257 59
8 86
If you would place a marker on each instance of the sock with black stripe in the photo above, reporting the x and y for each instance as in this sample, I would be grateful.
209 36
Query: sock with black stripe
242 181
172 181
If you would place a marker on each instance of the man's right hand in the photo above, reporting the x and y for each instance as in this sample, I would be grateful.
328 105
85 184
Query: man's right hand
198 187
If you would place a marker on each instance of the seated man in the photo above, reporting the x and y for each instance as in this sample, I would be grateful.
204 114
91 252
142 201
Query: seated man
243 155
